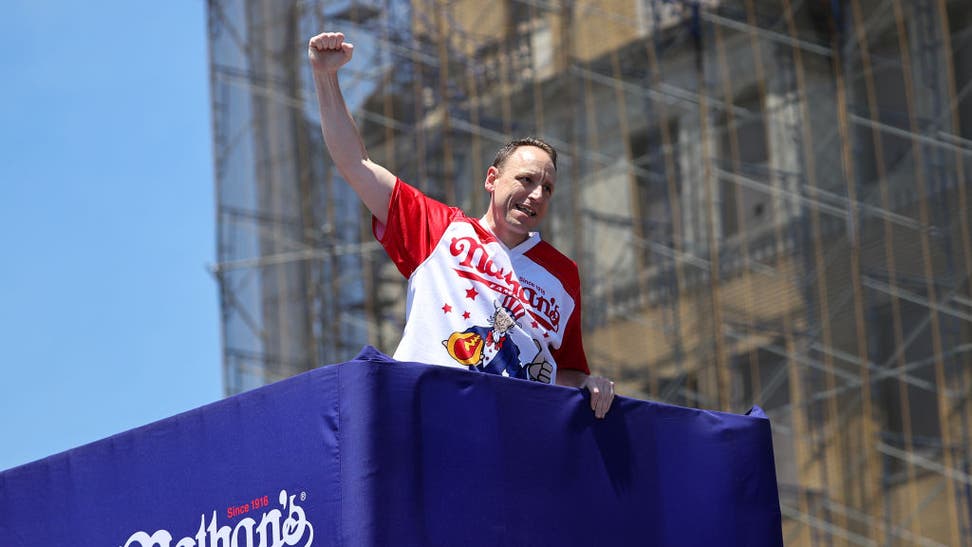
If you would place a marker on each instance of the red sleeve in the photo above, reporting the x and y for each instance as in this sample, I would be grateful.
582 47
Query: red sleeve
571 353
415 225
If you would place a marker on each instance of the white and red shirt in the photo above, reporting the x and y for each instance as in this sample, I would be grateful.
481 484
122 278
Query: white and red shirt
475 303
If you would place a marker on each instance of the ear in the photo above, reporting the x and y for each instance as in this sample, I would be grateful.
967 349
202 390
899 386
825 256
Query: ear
491 175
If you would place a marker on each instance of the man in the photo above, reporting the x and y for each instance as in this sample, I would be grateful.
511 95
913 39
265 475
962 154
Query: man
486 294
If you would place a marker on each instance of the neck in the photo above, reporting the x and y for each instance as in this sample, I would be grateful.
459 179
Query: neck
509 238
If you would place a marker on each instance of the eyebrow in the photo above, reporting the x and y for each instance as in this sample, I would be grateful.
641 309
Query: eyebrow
536 173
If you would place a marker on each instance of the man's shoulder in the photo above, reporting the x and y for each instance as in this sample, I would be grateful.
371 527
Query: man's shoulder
407 193
548 256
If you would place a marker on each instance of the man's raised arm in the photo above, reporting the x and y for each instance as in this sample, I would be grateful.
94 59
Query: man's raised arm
373 183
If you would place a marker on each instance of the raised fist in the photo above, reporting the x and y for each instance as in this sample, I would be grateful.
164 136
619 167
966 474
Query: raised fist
328 51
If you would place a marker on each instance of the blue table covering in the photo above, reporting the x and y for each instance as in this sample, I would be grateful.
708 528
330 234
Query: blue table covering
374 452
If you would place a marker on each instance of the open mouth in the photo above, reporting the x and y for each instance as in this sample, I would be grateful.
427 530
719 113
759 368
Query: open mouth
526 210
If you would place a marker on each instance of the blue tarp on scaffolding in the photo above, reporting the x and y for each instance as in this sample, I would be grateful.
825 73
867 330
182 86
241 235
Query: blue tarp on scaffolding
376 452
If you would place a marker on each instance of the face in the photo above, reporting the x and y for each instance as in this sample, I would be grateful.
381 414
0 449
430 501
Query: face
520 190
502 322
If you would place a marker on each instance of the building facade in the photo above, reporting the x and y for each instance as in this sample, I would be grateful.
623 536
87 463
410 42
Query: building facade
767 200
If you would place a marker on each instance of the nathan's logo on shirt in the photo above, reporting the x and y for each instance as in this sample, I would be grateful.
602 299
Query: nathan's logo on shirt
476 264
492 349
248 532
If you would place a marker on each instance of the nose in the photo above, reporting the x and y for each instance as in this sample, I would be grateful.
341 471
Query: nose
536 193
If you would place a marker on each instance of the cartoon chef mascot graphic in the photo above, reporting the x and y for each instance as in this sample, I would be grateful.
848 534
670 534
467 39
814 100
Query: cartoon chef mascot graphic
494 348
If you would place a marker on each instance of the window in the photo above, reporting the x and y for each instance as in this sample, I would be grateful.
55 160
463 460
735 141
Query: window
960 25
762 378
891 109
915 400
743 205
655 164
532 45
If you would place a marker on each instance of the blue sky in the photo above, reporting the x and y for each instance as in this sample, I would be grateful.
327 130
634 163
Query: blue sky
109 318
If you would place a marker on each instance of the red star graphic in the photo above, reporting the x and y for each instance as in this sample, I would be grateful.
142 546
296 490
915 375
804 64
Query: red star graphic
465 315
446 308
535 325
546 335
471 293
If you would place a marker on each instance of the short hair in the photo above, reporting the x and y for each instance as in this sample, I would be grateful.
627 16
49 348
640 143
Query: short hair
507 150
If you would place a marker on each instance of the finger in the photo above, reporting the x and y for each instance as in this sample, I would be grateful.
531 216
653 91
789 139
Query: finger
609 400
605 398
604 404
336 40
598 405
595 394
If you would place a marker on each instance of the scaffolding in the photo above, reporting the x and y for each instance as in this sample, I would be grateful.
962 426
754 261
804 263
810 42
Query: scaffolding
767 201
